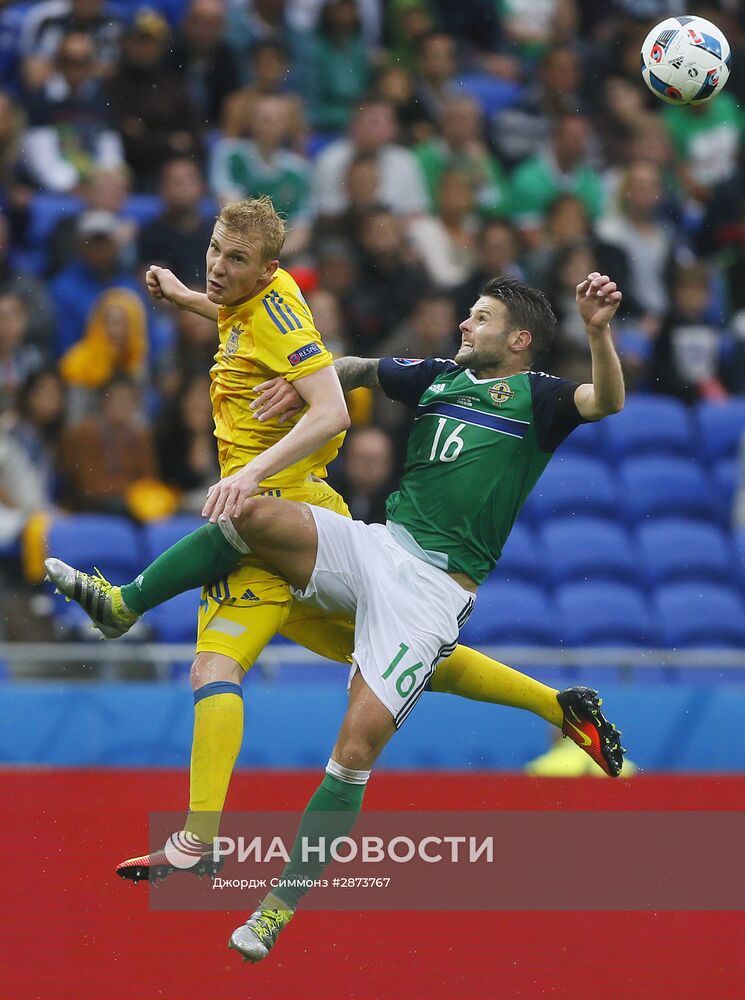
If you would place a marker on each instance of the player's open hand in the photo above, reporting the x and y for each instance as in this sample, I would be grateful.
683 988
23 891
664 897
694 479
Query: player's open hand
163 284
226 498
598 299
278 399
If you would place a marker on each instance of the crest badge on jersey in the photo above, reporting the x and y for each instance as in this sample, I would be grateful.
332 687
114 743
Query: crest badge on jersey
501 393
231 344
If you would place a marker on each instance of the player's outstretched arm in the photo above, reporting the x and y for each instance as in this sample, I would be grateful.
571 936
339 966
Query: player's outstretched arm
163 284
598 299
278 399
325 417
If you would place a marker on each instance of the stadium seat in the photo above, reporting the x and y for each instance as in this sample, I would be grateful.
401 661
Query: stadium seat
519 558
587 439
161 535
603 614
720 428
739 539
176 620
46 210
727 476
699 614
677 549
665 486
573 485
582 548
649 425
97 540
510 613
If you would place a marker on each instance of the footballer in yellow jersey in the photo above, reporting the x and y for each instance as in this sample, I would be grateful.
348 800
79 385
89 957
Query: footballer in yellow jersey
271 334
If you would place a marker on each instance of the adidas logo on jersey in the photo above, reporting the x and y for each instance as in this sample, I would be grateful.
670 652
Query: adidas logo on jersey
248 595
437 387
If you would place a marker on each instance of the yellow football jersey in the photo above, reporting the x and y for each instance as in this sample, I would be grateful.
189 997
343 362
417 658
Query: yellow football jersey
271 334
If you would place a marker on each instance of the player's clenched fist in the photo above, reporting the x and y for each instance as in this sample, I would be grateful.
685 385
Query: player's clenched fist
163 284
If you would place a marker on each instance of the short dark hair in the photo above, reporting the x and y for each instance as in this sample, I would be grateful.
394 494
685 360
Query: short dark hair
528 309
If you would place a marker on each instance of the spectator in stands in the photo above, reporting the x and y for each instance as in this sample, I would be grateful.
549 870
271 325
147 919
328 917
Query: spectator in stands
408 22
106 190
373 130
367 474
12 123
389 276
339 67
523 129
436 74
47 24
192 353
150 102
69 122
178 237
187 453
114 343
531 29
94 269
569 356
497 253
261 164
708 139
561 168
338 271
395 85
203 57
253 22
688 356
460 145
429 331
446 242
567 225
649 244
19 358
35 425
362 182
41 314
107 453
270 72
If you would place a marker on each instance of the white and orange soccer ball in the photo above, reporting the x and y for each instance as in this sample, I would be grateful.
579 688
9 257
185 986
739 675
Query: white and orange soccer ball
685 60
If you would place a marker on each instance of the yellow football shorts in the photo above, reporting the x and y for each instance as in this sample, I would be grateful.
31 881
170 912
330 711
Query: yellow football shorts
239 614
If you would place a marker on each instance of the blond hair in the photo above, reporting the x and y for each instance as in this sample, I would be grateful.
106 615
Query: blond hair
259 216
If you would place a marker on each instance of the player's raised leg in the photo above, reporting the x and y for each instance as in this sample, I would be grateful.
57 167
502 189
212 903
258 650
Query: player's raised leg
331 812
197 560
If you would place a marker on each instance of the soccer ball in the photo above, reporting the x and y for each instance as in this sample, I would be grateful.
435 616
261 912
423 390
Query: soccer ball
685 60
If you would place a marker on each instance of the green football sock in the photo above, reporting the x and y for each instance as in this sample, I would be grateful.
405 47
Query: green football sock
194 561
331 813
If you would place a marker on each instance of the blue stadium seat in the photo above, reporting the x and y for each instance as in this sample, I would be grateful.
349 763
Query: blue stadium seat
720 428
161 535
519 559
587 439
573 485
678 549
108 542
142 208
739 539
603 614
649 425
46 210
510 613
727 476
176 620
577 548
699 614
665 486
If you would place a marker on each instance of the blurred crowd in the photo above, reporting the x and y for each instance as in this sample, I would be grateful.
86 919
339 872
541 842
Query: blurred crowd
417 148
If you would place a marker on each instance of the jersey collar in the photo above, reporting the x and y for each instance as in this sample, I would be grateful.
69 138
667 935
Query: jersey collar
496 378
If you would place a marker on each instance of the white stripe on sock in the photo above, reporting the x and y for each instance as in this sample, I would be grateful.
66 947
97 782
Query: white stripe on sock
232 536
347 773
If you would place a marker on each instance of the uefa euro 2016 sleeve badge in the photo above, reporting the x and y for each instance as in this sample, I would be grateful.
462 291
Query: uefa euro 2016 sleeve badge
501 393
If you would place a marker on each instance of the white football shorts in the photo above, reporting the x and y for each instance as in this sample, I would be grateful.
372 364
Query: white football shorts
407 613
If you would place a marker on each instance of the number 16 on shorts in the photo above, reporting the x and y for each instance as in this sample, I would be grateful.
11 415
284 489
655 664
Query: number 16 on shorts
407 678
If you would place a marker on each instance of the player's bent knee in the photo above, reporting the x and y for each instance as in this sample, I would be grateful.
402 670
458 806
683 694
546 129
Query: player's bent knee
208 668
356 752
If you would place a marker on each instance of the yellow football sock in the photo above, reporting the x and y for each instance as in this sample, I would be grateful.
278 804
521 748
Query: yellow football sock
470 674
218 734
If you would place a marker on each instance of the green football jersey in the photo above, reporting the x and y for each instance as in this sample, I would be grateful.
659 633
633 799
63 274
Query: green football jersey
475 451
